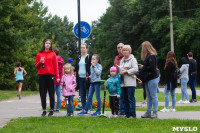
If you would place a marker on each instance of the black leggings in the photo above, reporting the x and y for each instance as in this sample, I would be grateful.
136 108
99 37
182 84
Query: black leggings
114 105
46 82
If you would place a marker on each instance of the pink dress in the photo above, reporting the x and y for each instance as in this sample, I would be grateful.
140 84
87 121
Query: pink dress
70 85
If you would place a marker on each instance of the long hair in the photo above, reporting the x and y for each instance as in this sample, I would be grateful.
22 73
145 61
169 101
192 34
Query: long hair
18 64
171 57
71 68
43 46
98 58
147 49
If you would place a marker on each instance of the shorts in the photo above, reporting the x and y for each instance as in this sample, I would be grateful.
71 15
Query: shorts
19 81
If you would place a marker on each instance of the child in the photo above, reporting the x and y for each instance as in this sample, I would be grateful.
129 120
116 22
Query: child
95 85
68 83
114 90
19 73
184 79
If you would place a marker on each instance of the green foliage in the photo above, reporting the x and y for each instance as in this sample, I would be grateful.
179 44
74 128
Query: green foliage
33 86
135 21
24 24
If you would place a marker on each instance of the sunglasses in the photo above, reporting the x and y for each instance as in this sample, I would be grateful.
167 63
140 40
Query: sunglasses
119 47
112 71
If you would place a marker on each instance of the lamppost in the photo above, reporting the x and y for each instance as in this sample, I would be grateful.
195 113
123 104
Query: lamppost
79 27
171 27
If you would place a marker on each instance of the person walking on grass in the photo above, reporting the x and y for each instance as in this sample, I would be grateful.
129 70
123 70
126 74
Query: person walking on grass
128 68
95 85
19 73
170 81
57 85
117 60
184 79
68 83
114 90
47 66
150 78
192 75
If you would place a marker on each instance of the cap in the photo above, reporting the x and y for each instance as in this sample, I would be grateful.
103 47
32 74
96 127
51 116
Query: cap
70 60
113 69
190 54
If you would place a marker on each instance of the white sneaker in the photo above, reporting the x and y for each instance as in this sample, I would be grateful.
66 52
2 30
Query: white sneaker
181 101
186 101
172 110
164 110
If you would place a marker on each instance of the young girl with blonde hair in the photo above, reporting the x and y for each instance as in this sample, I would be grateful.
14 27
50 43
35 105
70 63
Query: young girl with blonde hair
68 83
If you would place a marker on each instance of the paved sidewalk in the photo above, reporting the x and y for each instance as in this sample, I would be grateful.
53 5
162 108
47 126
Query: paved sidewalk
31 106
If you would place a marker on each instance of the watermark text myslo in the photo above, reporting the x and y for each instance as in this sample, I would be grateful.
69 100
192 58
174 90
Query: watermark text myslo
192 129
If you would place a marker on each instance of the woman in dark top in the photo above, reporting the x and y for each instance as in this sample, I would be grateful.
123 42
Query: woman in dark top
150 78
170 81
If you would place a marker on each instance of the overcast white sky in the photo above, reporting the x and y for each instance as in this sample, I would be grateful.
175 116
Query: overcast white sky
90 9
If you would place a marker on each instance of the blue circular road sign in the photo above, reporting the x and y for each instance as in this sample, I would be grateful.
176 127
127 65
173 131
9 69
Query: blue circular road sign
85 30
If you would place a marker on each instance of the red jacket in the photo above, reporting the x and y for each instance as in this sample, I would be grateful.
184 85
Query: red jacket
60 69
117 60
50 63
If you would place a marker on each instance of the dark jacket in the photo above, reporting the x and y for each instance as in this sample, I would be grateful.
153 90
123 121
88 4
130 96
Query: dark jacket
170 70
149 71
192 68
87 66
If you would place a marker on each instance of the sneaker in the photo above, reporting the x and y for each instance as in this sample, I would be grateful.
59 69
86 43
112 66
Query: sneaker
172 110
44 113
71 114
187 101
191 100
194 100
50 113
83 113
164 110
181 101
154 115
20 97
146 115
95 113
144 102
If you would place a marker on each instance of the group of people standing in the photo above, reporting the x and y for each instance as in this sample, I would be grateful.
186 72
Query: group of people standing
54 76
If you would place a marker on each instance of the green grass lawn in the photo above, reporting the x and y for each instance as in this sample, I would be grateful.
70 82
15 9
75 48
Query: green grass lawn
94 125
7 94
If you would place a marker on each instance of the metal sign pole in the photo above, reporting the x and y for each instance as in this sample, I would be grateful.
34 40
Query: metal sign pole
171 27
79 27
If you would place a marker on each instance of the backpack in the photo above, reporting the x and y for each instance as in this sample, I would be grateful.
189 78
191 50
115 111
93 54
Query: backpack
177 73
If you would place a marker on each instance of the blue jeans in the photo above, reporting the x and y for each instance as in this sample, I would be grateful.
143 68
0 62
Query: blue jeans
184 89
96 87
152 99
192 87
166 94
82 89
129 101
59 96
70 104
121 104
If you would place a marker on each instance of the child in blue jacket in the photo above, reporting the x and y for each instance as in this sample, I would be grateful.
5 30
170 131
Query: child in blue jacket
114 91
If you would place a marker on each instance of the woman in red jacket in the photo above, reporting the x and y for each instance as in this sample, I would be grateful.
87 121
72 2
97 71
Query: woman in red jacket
46 64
